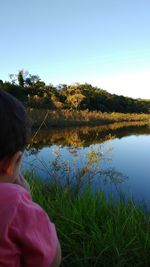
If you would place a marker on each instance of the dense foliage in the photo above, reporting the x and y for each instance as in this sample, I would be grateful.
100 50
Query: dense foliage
33 92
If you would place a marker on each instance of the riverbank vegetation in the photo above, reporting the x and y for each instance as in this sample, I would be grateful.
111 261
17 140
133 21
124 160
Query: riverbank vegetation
35 93
95 230
66 118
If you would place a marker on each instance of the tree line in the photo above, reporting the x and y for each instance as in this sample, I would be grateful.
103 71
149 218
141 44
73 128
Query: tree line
35 93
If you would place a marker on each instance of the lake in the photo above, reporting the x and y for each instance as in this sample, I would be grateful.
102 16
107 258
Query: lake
116 157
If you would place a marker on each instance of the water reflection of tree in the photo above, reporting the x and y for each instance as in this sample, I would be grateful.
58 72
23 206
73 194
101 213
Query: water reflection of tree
85 136
75 139
73 150
33 151
112 176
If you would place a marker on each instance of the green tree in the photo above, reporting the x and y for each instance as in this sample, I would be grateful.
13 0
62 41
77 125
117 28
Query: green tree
20 78
1 83
75 100
13 78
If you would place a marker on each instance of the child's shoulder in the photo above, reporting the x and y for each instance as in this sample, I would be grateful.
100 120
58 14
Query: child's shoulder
11 191
11 195
14 197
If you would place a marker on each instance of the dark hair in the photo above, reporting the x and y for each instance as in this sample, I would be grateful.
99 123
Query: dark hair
14 126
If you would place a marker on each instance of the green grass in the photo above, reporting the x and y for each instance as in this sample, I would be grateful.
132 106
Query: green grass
94 231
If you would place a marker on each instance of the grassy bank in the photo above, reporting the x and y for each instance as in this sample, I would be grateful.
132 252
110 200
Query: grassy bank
93 231
65 118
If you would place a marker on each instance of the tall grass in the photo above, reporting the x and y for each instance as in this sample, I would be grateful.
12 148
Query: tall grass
94 231
63 118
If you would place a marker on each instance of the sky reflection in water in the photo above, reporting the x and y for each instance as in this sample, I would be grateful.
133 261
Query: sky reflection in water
129 155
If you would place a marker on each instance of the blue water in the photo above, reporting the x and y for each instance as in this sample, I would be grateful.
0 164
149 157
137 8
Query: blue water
129 156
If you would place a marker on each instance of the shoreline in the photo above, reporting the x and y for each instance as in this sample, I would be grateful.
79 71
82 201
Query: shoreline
64 118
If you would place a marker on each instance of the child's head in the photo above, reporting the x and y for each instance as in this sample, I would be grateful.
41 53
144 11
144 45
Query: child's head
13 134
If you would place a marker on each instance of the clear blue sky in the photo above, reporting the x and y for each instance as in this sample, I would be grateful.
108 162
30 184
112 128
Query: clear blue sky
105 43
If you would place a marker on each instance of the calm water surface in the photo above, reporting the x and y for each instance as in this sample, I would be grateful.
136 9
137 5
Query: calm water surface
124 152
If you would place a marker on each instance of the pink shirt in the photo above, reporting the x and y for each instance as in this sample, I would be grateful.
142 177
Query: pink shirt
27 237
